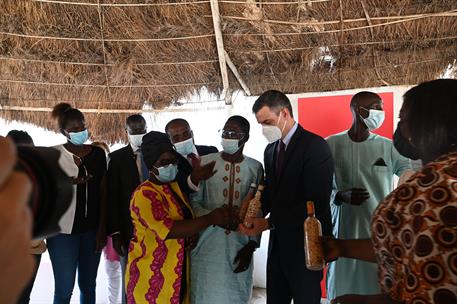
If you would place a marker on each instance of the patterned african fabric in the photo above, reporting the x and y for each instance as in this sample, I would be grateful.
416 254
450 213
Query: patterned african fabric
155 264
415 236
370 164
212 261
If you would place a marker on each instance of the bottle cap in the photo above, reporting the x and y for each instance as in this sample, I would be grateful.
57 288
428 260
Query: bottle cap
253 185
310 207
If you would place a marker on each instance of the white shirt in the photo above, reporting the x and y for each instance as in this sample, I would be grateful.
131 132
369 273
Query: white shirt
189 180
289 135
288 138
67 163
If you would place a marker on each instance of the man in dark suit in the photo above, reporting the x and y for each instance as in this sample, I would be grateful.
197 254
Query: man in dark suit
126 171
298 168
190 173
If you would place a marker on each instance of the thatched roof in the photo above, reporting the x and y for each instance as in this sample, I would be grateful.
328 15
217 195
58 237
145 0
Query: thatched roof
118 55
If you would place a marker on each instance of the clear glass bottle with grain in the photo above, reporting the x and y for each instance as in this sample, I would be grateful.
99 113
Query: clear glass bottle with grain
313 247
254 207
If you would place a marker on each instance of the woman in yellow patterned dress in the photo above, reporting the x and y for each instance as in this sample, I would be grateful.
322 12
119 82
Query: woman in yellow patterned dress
157 268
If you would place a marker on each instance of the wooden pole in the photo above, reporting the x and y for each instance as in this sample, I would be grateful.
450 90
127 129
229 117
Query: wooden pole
220 49
237 74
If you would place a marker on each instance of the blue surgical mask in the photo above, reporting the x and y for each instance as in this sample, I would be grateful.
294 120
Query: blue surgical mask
375 119
78 138
185 147
167 173
230 146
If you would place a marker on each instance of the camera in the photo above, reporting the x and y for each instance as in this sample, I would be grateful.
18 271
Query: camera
52 189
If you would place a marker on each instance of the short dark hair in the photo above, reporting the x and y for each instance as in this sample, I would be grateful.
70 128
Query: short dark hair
273 99
176 121
64 112
363 95
242 122
135 118
431 116
20 137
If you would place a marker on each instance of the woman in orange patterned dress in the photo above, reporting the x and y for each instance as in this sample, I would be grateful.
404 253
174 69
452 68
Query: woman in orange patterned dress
414 230
157 268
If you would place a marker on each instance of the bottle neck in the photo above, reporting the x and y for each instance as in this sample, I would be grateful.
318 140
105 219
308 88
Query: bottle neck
310 209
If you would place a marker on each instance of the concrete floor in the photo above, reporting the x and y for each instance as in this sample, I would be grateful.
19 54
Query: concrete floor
44 286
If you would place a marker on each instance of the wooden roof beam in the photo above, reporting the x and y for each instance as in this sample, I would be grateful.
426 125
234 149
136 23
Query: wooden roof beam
237 75
220 50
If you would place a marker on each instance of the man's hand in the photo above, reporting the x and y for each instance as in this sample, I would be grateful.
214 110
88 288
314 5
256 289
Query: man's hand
234 218
258 225
204 172
16 263
191 242
117 244
354 196
331 248
244 257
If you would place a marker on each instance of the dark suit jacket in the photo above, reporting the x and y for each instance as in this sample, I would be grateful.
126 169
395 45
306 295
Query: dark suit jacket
123 179
306 176
185 168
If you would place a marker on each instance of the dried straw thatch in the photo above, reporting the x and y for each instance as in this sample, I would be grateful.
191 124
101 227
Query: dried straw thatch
117 55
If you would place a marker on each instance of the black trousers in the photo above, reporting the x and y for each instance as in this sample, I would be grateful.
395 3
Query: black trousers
288 278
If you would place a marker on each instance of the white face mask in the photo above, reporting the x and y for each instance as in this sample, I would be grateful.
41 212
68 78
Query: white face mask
185 147
230 146
273 133
374 120
135 141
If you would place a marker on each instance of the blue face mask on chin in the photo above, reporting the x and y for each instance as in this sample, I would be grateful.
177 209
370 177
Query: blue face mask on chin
78 138
167 173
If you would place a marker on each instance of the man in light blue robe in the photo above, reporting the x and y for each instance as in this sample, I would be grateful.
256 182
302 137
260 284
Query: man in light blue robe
365 164
221 263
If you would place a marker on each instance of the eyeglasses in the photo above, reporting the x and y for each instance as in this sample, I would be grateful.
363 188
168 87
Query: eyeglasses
230 134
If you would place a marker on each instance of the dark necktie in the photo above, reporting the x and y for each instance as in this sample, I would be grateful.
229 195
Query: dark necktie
280 157
193 159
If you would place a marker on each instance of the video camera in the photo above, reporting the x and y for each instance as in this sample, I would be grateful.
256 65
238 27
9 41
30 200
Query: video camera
52 189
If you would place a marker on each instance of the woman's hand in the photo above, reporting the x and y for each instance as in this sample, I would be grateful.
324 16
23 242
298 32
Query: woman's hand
191 242
219 217
365 299
352 299
332 250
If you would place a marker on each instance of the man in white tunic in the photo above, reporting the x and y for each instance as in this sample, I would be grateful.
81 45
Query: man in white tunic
364 167
221 263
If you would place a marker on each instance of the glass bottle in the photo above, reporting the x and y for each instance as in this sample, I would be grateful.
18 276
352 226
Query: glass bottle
253 207
313 247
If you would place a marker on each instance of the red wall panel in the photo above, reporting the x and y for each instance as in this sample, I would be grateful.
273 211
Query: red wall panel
327 115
